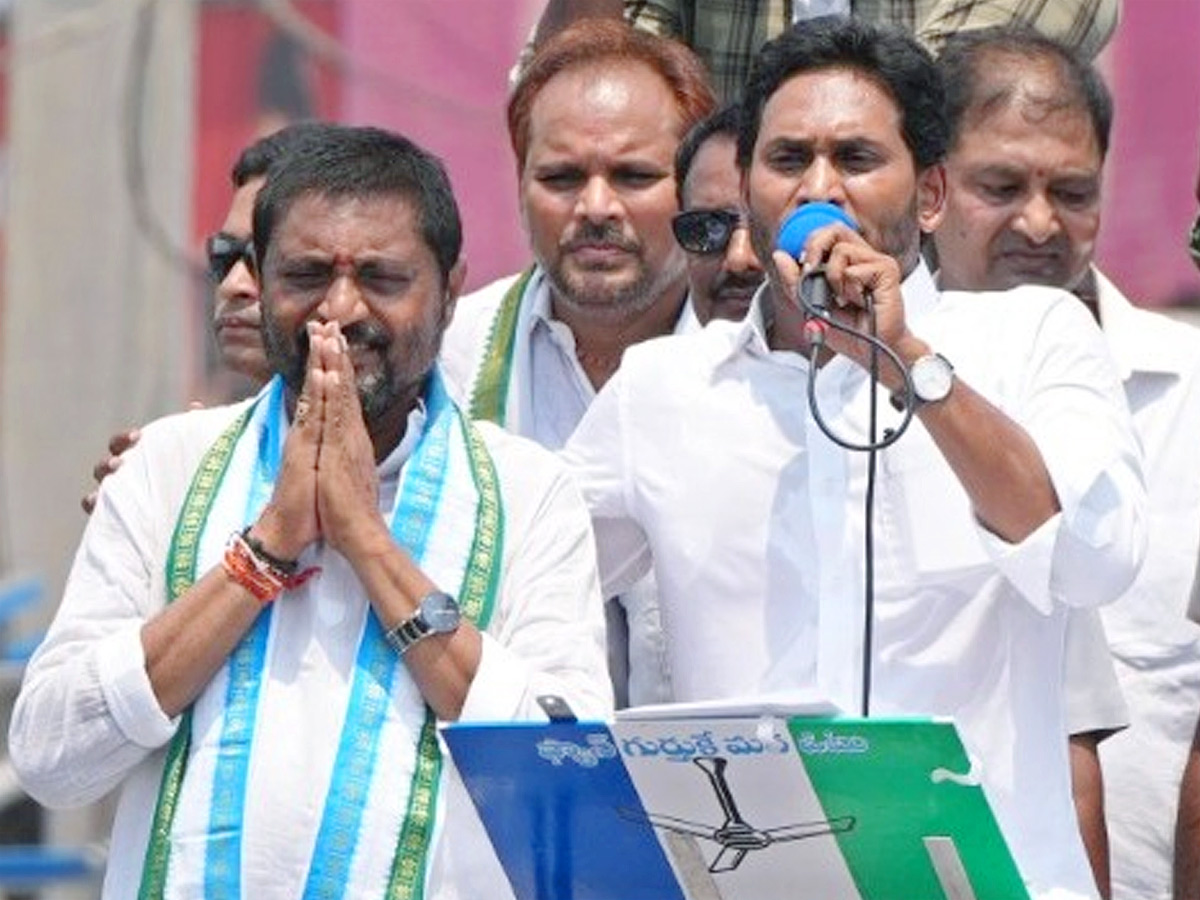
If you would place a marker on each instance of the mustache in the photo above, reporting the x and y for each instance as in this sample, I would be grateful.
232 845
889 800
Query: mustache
591 233
1017 243
733 281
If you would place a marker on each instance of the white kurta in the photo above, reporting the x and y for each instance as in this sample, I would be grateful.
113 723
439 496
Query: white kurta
1155 647
87 720
700 457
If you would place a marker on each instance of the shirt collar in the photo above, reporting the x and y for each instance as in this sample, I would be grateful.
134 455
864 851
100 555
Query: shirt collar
688 320
1135 347
539 299
541 311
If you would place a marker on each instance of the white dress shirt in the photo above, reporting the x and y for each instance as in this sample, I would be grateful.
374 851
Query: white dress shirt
701 459
87 720
549 390
1155 647
547 396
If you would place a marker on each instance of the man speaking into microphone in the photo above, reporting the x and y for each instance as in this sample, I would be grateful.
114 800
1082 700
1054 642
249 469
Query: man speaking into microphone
1014 485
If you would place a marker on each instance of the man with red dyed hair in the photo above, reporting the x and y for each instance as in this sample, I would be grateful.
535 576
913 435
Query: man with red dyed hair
594 121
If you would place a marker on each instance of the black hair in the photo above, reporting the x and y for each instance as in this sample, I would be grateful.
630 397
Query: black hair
892 58
255 160
340 161
722 122
973 87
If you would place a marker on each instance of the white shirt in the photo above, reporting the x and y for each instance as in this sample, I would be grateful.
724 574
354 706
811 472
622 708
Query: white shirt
1155 647
549 390
548 395
87 720
700 457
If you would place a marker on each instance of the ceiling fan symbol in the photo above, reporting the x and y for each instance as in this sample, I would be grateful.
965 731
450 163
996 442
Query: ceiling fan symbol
735 836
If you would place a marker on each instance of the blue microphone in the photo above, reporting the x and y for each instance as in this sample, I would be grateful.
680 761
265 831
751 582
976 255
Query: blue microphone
793 235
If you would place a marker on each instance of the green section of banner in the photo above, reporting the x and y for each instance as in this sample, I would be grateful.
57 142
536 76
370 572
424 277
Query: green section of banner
889 775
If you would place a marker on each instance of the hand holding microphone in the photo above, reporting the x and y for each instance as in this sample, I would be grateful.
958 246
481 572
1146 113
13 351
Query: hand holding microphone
843 266
813 292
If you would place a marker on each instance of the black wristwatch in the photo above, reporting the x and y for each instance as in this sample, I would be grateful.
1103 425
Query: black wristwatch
437 613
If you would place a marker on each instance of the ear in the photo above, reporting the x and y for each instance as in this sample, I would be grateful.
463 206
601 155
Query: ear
522 206
931 197
455 279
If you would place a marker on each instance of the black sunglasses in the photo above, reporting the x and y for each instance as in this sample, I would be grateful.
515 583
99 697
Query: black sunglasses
1194 241
223 252
705 231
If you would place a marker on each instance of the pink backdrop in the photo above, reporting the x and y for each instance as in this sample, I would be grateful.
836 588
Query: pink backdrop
1153 68
437 71
446 68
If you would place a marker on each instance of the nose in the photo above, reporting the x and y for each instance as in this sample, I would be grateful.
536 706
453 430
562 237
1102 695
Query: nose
822 182
739 255
238 284
343 301
598 202
1038 219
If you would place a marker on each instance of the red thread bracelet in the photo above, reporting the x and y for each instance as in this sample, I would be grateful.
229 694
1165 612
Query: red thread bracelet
257 575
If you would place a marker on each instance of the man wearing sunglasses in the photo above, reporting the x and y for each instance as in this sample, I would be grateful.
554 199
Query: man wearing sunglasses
229 261
1023 206
723 269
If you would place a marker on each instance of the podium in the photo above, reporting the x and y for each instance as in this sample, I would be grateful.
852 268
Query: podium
735 808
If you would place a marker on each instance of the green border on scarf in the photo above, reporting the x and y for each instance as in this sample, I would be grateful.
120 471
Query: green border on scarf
477 599
489 397
181 574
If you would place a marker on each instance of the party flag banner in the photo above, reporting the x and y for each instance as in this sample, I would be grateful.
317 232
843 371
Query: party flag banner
735 808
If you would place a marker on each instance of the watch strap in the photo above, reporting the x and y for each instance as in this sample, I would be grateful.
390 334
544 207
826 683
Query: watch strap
407 633
417 626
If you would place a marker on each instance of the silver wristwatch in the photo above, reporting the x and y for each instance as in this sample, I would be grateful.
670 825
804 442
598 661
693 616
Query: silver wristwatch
437 613
932 378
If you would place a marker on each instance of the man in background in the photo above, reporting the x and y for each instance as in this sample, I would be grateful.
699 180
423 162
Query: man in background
236 314
727 36
1029 124
594 121
1187 824
712 226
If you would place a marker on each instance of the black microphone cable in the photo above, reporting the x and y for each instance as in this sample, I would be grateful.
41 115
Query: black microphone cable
818 320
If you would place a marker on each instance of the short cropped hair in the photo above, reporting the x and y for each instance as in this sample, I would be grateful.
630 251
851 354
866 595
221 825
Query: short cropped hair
254 161
598 42
974 84
724 122
344 162
888 56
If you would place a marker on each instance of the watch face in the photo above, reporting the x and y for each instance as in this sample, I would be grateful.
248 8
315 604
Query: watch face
932 378
440 612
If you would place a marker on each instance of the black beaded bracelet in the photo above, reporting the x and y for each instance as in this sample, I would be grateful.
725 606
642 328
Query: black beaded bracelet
286 567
